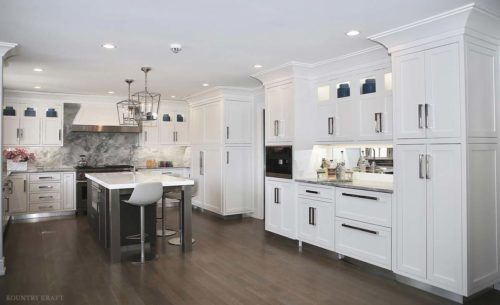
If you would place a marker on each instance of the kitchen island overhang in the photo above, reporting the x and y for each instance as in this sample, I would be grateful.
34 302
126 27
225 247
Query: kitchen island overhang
106 191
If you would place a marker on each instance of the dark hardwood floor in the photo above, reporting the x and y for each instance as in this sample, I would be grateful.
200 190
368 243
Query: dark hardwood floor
233 262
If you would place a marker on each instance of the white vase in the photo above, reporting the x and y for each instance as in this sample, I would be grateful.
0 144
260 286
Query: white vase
17 166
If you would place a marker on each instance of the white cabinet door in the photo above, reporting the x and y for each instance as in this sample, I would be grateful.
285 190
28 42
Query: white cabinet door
286 198
286 123
212 172
409 95
273 215
238 180
181 128
346 122
30 130
149 134
444 216
68 191
196 125
273 114
307 231
52 132
10 130
325 122
238 122
18 199
197 176
375 118
213 123
442 74
411 211
166 122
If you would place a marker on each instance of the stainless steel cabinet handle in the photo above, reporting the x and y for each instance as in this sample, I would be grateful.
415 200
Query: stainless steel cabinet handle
202 170
17 133
277 195
427 106
359 229
420 124
24 186
145 136
227 132
45 197
378 122
276 128
227 157
310 218
360 196
44 177
330 125
60 134
46 187
173 136
420 166
428 166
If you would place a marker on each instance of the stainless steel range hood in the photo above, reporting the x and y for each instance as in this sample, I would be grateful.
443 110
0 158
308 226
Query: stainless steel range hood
100 117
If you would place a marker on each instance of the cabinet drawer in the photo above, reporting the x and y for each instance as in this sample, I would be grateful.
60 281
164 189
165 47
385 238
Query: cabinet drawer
53 187
365 242
44 177
315 191
45 207
45 197
370 207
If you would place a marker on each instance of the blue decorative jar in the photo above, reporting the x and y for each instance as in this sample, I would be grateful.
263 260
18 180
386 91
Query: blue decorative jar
343 90
30 111
369 86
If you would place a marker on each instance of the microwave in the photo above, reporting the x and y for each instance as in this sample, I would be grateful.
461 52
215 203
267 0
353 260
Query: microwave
279 162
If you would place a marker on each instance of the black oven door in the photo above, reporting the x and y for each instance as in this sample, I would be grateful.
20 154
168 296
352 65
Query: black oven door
279 162
81 196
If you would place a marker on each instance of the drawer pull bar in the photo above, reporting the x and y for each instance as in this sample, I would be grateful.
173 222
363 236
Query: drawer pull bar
312 192
46 177
359 196
45 197
46 187
360 229
47 207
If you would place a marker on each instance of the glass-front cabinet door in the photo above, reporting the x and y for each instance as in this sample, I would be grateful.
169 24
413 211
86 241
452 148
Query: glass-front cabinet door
52 126
29 125
167 130
181 128
10 130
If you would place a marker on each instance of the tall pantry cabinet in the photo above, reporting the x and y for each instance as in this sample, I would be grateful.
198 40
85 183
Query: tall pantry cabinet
222 152
447 164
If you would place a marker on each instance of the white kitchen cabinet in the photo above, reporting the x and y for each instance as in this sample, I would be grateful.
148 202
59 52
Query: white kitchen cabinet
197 176
429 213
280 207
213 123
197 123
316 222
239 122
325 122
52 126
345 124
68 191
375 121
173 128
238 170
30 130
427 86
10 130
279 113
18 194
212 176
150 134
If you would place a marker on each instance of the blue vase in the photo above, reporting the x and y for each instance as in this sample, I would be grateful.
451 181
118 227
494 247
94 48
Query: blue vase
343 90
29 112
9 111
369 86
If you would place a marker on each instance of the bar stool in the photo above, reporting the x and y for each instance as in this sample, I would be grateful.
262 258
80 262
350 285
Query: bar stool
163 232
176 241
145 194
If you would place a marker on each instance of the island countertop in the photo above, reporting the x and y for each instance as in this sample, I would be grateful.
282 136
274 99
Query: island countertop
128 180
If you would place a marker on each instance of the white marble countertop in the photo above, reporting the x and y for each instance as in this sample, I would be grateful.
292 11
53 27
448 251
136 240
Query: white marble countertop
128 180
375 186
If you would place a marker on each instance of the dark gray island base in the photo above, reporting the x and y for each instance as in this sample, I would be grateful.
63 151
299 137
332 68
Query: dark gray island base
112 220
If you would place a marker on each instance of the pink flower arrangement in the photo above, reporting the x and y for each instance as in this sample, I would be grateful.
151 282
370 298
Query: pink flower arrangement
18 155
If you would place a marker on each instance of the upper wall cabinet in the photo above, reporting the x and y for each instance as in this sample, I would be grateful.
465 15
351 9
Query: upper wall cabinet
356 106
32 125
171 127
427 91
279 113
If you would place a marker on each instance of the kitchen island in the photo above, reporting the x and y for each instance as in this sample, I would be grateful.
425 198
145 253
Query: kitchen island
108 190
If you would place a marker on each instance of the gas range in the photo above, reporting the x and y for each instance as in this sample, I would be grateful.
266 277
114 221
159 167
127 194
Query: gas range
81 171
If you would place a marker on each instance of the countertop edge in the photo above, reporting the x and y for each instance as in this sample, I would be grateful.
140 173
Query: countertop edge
131 186
347 185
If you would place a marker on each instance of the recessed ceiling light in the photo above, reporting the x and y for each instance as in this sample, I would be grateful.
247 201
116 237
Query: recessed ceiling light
37 87
111 92
257 66
172 96
205 85
109 46
38 69
352 33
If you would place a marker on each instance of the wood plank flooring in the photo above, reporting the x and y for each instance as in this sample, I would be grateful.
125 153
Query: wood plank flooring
233 262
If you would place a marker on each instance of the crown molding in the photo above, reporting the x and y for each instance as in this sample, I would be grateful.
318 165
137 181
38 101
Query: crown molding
347 56
7 49
227 92
468 18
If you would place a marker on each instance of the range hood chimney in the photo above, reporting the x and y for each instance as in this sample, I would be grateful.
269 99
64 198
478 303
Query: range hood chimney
100 117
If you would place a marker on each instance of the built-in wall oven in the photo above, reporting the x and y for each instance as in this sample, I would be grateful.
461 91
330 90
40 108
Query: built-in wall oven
279 162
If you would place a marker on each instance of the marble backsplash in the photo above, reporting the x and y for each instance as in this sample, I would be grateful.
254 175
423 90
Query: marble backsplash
103 148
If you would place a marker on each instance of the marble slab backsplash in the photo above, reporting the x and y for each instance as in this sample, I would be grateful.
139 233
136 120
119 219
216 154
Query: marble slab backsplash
103 148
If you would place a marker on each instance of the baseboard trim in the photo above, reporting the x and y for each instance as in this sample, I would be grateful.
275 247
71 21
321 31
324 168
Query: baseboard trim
39 216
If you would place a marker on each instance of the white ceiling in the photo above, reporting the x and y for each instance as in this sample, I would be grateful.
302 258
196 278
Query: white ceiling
222 39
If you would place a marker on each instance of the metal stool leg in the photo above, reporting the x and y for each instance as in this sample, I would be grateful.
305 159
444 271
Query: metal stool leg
143 257
176 241
164 232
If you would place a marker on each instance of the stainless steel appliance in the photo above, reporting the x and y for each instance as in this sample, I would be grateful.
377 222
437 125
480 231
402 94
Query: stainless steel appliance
81 181
279 162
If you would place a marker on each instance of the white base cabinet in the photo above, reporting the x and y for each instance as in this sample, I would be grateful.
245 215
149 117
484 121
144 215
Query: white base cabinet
280 207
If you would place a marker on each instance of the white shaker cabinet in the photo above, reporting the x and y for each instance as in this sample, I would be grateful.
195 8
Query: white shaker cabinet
68 191
173 128
52 126
316 222
150 134
10 130
238 170
279 113
427 86
280 207
17 194
238 122
429 213
325 122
